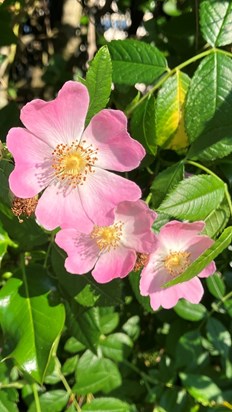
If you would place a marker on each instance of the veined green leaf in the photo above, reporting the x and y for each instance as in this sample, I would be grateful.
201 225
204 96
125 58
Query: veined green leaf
194 198
98 82
208 118
136 62
27 316
165 181
107 405
96 374
170 132
205 258
216 21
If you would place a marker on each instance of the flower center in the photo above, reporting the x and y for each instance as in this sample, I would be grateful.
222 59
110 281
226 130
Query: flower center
177 262
73 162
107 237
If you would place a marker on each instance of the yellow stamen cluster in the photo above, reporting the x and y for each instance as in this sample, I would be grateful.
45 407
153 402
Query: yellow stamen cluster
107 237
177 262
73 162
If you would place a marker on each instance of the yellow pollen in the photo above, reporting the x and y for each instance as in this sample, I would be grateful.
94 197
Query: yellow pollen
107 237
72 163
177 262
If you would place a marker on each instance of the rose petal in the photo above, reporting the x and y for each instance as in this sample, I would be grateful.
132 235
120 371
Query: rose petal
59 208
117 263
208 271
60 120
107 131
168 298
175 235
137 219
81 249
33 170
102 191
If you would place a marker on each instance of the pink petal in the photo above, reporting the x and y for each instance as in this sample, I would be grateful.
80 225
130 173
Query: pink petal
32 171
208 271
107 131
58 207
102 191
60 120
168 298
117 263
137 219
81 249
192 290
152 280
175 235
197 245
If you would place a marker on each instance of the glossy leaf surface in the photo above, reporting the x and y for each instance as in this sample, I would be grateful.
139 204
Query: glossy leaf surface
27 313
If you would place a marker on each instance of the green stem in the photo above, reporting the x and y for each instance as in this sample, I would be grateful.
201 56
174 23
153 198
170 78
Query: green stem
167 75
208 171
48 251
172 71
69 391
36 397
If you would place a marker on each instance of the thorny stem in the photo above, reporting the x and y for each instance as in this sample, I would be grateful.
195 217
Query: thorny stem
172 71
208 171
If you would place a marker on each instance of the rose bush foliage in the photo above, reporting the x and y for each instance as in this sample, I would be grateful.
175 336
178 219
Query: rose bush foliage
115 222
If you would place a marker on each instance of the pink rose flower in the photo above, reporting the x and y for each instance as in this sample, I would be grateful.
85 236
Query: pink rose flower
54 154
178 245
110 250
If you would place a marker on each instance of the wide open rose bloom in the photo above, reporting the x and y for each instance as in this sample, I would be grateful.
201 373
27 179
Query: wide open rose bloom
54 154
178 245
110 250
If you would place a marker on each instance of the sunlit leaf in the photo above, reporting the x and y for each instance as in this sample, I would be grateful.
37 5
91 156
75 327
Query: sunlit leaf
27 314
136 62
170 132
215 21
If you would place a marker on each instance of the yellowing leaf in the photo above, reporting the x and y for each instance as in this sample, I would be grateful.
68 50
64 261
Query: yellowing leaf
170 130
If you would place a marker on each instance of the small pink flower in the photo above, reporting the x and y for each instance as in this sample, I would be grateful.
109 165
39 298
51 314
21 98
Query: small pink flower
178 245
54 154
110 250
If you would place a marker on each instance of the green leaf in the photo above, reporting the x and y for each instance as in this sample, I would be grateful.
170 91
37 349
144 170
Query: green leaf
216 285
190 311
219 336
98 82
107 405
5 241
169 112
116 346
201 388
205 258
136 62
108 321
83 324
165 181
149 125
189 351
194 198
217 220
51 401
209 126
6 405
27 313
134 279
95 374
215 21
7 35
